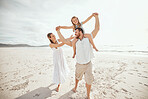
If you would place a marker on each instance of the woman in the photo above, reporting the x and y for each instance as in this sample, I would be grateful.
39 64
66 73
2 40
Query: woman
61 69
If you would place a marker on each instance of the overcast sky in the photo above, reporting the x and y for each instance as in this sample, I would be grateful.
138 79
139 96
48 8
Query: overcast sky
123 22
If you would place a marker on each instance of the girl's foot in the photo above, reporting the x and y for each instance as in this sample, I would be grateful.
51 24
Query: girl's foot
96 49
73 56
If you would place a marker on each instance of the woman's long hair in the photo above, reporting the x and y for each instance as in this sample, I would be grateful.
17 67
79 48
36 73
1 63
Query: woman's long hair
49 36
79 25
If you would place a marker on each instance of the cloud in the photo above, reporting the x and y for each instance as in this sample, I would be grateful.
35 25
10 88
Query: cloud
28 21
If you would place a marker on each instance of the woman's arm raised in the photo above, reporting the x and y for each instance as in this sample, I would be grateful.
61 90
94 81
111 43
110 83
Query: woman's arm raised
66 27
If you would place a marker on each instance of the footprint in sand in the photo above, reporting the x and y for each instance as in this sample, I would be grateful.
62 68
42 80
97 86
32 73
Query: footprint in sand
130 73
36 95
20 86
124 90
146 85
26 77
139 73
140 83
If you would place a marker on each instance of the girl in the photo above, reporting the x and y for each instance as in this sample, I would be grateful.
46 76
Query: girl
77 24
61 69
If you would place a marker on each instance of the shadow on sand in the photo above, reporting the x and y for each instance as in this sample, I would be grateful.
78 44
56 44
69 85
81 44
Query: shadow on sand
67 95
40 93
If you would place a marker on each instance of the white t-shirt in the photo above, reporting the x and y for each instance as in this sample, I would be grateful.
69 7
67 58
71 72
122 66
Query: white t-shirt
84 52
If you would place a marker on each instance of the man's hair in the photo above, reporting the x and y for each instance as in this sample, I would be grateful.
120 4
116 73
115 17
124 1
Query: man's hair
80 29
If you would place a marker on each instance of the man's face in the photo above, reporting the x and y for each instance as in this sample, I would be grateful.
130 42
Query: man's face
77 33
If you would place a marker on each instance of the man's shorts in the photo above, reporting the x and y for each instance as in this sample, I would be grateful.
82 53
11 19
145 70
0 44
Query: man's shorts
86 70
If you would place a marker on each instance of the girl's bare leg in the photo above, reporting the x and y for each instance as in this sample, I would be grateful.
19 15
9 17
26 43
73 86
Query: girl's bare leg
74 55
92 43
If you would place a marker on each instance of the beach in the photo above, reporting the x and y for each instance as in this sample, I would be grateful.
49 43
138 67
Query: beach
26 73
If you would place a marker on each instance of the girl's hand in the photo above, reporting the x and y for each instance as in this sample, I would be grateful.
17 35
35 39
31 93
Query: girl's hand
57 28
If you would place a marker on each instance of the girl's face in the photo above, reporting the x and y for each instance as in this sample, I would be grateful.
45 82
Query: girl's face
52 37
75 20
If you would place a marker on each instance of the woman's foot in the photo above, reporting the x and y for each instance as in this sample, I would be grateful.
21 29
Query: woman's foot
57 89
74 90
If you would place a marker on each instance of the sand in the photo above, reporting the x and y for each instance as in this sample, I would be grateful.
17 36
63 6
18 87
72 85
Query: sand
26 73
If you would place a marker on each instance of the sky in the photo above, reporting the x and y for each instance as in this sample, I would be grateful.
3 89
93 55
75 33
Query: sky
122 22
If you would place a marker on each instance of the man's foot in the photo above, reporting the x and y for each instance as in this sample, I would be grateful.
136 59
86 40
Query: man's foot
74 90
87 97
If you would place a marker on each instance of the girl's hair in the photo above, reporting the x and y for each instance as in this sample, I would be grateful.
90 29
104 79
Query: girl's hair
49 36
74 24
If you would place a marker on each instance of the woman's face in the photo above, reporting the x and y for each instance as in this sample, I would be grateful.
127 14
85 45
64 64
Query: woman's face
52 37
75 20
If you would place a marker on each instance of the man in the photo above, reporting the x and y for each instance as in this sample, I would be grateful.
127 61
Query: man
83 55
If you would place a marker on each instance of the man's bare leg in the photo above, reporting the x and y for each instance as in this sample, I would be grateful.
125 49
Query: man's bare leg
88 87
76 84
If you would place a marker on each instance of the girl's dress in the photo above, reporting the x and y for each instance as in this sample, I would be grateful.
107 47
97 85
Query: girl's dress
61 69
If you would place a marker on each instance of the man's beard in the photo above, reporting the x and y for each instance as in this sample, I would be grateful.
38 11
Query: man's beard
77 36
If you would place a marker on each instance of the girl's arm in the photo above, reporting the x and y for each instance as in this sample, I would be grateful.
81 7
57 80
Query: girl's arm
56 45
66 27
88 19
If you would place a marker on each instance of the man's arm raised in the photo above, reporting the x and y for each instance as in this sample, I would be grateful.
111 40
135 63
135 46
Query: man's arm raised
97 25
66 41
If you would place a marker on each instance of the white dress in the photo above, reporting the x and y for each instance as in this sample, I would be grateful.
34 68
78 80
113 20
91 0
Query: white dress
61 69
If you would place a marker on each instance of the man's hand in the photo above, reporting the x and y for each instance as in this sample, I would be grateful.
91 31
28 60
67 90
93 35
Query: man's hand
95 14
